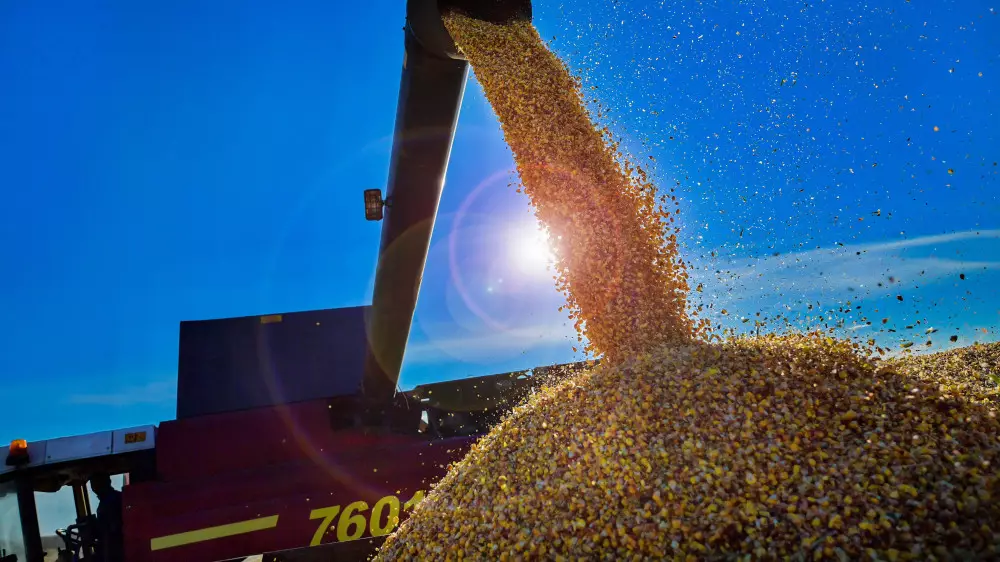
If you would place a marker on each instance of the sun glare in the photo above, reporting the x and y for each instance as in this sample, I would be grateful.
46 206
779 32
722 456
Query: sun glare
530 250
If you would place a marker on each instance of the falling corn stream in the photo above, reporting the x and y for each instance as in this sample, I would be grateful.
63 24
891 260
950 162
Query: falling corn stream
682 446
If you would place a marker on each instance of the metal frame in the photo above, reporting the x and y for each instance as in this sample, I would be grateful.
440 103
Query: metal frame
28 511
69 464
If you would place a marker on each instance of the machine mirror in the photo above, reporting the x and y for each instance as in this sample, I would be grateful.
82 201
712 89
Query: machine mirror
373 204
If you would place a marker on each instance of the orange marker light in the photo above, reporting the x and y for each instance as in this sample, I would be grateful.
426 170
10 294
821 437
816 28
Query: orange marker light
18 453
18 446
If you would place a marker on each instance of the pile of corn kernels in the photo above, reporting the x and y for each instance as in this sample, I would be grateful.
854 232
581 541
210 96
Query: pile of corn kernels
972 372
762 448
797 447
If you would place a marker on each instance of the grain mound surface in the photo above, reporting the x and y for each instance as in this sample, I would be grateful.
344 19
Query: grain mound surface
765 448
972 372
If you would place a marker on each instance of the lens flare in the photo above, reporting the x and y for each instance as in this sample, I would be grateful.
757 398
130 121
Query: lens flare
530 251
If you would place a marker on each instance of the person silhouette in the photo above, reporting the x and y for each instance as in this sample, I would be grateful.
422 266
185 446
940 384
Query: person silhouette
110 546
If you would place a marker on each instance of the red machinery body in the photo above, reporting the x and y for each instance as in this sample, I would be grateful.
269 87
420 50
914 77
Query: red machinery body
245 472
245 483
274 449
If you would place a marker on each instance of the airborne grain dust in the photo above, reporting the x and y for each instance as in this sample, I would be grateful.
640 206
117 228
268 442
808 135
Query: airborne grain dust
796 447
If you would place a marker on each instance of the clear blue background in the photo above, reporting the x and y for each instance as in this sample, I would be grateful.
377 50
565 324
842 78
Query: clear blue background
165 161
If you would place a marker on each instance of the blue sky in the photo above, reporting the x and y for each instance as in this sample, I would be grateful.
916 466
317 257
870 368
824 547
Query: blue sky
181 160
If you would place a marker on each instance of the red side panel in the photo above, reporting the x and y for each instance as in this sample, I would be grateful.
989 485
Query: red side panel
241 484
222 443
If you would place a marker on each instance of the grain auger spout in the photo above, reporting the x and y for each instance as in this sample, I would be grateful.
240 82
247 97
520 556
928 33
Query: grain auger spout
430 95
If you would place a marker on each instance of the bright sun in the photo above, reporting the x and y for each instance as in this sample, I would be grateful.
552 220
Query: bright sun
530 250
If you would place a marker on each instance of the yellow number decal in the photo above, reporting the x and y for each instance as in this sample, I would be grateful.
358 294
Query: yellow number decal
376 521
349 520
352 524
137 437
412 502
327 514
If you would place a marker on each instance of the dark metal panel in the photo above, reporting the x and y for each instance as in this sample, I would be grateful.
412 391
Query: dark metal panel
249 362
